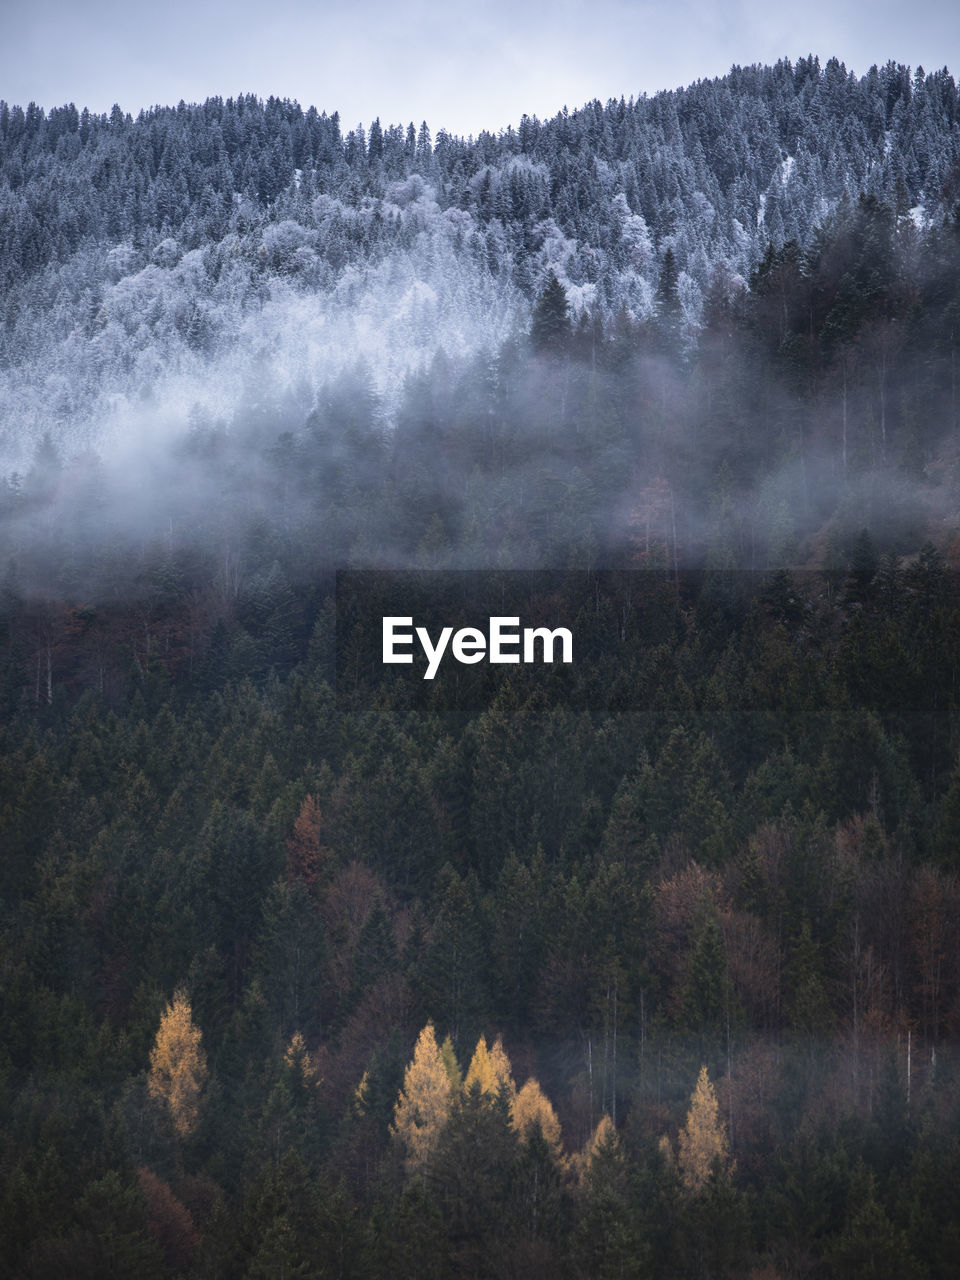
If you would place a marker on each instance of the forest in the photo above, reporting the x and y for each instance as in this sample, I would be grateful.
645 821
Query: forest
643 965
204 258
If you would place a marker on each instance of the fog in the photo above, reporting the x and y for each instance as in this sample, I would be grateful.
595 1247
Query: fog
232 334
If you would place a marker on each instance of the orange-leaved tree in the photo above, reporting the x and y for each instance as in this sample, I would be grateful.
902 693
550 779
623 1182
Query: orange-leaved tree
178 1065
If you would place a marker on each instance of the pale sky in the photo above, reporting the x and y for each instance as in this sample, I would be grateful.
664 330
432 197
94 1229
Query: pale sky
461 67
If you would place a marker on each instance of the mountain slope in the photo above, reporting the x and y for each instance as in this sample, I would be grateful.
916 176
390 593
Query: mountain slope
149 265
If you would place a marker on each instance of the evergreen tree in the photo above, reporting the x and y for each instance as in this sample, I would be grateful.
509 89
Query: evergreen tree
670 311
550 327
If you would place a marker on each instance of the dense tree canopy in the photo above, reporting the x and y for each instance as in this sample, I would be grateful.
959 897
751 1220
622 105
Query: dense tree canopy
646 964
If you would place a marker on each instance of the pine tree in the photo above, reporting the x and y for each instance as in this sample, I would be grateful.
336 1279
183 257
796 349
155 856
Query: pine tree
947 830
178 1065
452 971
424 145
375 141
410 1239
604 1142
668 296
550 328
292 958
871 1247
472 1169
449 1056
705 996
863 566
809 1004
604 1243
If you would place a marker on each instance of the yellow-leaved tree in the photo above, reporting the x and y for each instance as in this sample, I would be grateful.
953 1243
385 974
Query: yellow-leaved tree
299 1061
532 1106
178 1065
490 1068
704 1136
423 1103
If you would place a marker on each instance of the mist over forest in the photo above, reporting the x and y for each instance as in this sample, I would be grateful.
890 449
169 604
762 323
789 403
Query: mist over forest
647 965
232 313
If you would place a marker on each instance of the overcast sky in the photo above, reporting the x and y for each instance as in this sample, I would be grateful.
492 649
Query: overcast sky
461 67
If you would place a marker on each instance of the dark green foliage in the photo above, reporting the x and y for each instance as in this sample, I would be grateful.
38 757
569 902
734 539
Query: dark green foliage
550 327
606 1243
471 1178
706 998
870 1246
716 1229
728 836
452 966
537 1203
633 887
670 311
409 1238
292 962
107 1237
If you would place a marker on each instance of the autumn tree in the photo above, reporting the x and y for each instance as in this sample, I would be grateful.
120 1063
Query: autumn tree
168 1220
308 856
532 1107
703 1138
298 1061
490 1069
178 1065
423 1103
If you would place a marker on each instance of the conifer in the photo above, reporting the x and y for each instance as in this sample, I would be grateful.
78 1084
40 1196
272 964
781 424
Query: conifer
703 1138
423 1104
490 1068
178 1065
532 1107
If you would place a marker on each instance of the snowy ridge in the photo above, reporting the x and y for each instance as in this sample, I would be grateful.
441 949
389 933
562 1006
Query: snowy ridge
160 261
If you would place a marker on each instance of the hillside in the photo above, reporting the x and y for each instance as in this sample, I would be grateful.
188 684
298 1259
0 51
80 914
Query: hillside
641 964
146 264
